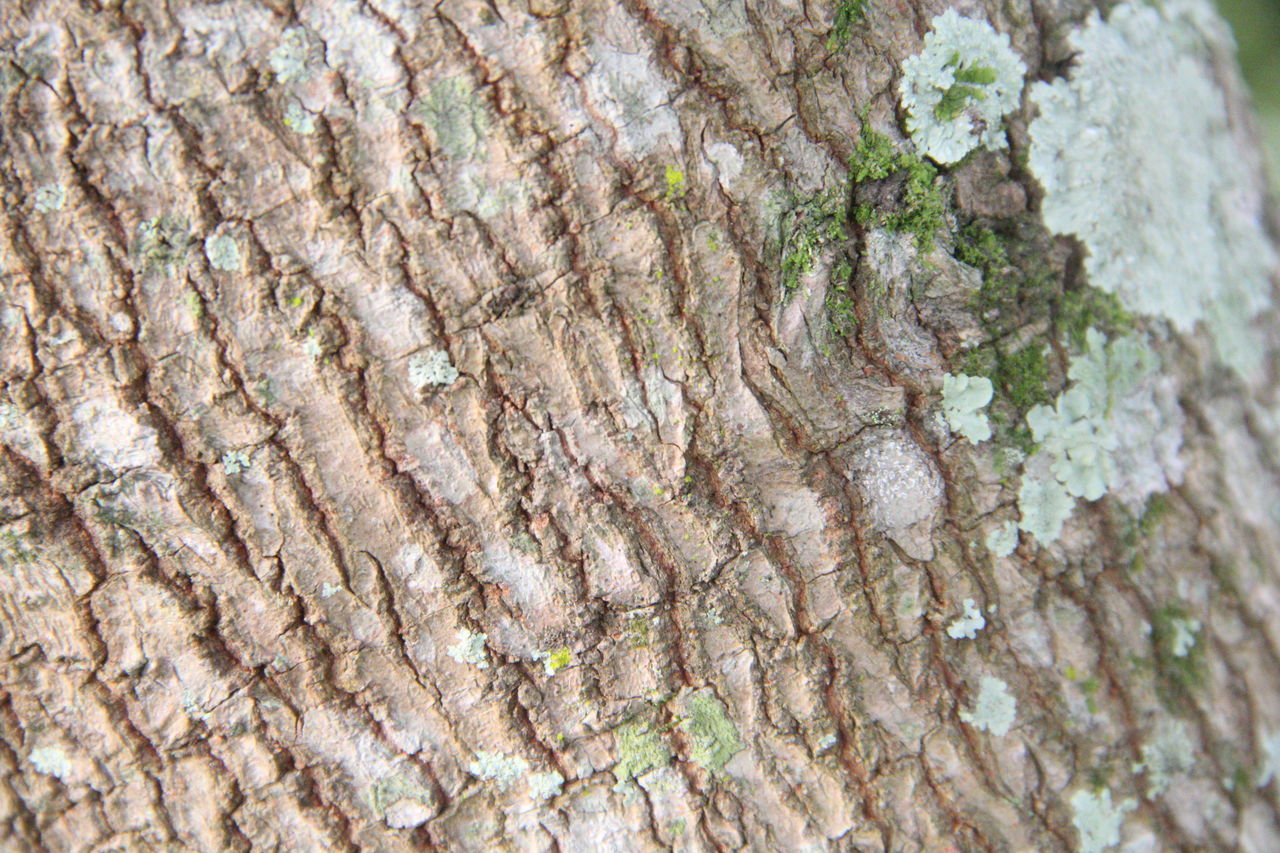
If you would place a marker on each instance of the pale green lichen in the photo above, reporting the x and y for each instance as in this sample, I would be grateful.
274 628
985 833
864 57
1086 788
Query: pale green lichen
234 461
1116 428
1097 820
50 197
1044 506
963 398
470 648
457 116
1167 209
714 739
431 368
544 786
967 625
640 750
1003 540
289 58
959 88
1168 754
311 345
994 710
502 770
223 252
1270 758
51 761
299 120
1182 638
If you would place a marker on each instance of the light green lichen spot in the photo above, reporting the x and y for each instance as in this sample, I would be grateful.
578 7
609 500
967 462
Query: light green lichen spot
963 398
299 120
50 197
457 116
501 770
1097 820
234 461
1044 505
1183 637
223 252
289 59
995 709
968 625
470 648
713 735
50 761
958 89
1003 540
1168 754
543 786
640 749
1167 205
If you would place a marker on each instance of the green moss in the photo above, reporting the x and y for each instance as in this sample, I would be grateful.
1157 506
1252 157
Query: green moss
921 206
848 13
714 738
842 319
640 749
1023 376
1177 675
1082 308
811 223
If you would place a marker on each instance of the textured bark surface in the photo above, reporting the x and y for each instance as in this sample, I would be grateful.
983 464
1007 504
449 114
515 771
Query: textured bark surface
242 549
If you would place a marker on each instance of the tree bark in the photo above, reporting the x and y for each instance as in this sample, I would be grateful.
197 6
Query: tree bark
274 578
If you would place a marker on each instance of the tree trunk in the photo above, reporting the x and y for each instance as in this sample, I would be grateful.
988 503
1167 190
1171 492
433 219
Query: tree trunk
521 426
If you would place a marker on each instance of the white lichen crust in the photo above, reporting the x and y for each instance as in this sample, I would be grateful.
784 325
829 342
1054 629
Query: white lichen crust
1097 820
995 708
501 770
431 368
959 88
470 648
223 252
967 626
1137 160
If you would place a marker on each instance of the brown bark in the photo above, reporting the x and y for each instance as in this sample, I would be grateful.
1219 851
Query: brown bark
650 457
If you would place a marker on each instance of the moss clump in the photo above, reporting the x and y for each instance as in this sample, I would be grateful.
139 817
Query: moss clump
1083 308
1023 375
810 224
640 749
714 738
920 206
848 13
1179 667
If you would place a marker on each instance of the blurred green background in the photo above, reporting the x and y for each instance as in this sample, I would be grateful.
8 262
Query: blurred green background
1257 28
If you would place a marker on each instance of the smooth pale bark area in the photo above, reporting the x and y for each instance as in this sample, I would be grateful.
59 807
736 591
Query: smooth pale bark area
670 563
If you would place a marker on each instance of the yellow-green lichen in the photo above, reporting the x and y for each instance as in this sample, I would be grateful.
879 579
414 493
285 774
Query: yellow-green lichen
713 737
640 749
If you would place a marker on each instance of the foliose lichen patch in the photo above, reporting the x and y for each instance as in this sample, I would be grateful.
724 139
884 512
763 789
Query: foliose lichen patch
1166 208
959 88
